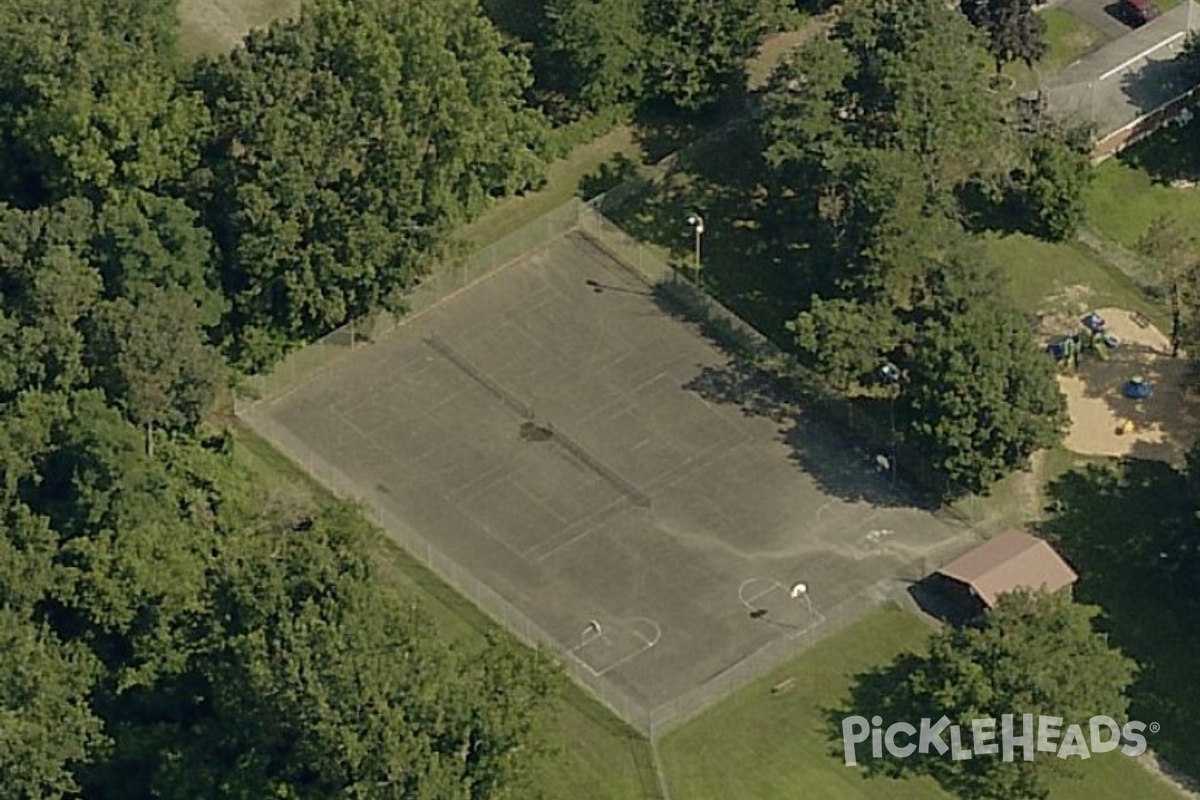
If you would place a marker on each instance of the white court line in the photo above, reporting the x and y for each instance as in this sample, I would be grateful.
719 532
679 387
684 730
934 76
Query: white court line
589 524
772 586
647 644
818 623
1145 53
763 593
342 418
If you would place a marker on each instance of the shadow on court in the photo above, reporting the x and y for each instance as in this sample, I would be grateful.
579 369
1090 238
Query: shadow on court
841 469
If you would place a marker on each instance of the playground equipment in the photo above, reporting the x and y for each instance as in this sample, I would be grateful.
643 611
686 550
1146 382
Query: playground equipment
1138 388
1068 348
1103 344
1094 322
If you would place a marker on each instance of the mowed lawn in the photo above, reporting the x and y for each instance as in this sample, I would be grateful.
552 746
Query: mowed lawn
757 745
1125 197
1048 276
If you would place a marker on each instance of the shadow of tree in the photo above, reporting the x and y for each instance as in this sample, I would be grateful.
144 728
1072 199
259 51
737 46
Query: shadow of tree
661 129
839 468
1168 155
880 692
939 605
523 19
981 212
755 251
611 173
1130 531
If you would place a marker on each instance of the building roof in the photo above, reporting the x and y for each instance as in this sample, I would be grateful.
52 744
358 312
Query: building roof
1012 560
1128 78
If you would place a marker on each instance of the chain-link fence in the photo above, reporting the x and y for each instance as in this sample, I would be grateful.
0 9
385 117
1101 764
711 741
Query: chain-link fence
728 327
652 721
444 280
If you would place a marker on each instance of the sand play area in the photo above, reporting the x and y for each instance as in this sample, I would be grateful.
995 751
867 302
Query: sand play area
1162 425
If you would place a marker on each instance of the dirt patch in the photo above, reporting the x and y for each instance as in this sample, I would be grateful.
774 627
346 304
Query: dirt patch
1163 425
209 27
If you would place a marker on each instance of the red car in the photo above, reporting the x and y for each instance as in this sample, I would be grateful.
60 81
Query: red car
1139 12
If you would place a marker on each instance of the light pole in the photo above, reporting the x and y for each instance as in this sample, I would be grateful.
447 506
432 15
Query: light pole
697 223
891 376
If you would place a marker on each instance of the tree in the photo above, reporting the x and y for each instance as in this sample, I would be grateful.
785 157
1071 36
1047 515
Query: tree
349 142
878 127
600 49
147 243
1014 29
1033 653
89 101
152 360
890 229
696 48
915 88
979 397
1177 251
48 729
1053 186
844 340
48 287
197 643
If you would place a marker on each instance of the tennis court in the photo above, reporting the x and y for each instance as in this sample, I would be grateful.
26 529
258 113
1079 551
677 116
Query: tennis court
548 428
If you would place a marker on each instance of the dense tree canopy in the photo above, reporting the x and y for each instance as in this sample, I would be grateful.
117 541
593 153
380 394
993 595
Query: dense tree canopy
49 288
876 130
686 53
877 127
976 397
348 143
599 47
168 628
89 101
202 643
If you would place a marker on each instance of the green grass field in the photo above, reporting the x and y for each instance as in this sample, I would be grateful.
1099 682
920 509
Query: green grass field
597 757
1125 198
1068 39
1046 276
759 745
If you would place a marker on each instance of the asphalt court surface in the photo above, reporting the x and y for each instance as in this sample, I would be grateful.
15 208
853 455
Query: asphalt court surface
561 437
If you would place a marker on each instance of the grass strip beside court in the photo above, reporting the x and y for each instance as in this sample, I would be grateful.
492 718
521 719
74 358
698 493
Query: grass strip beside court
759 744
1124 199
